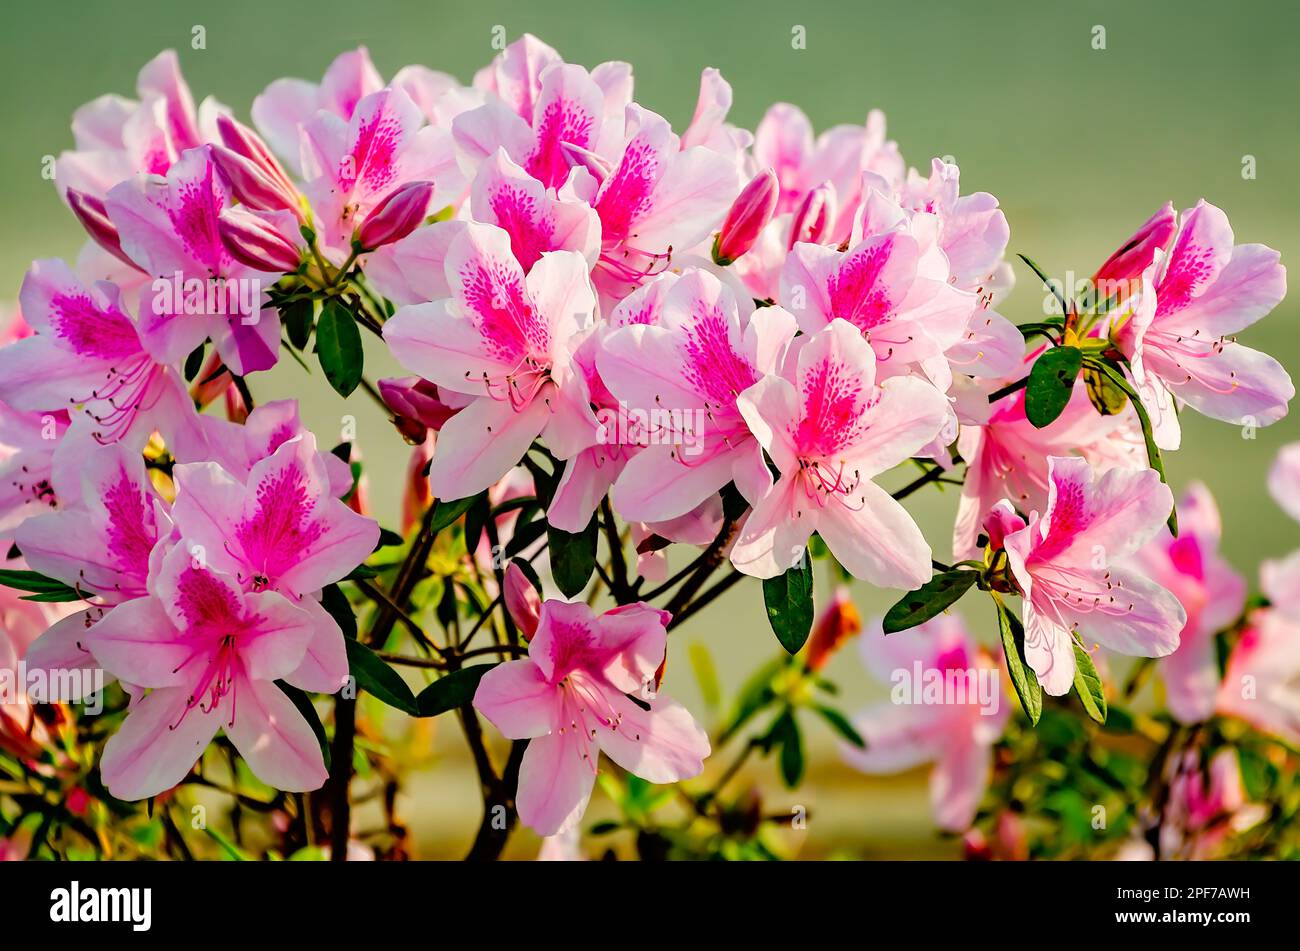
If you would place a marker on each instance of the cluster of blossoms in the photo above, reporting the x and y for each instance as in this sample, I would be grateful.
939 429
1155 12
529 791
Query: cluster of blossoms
722 338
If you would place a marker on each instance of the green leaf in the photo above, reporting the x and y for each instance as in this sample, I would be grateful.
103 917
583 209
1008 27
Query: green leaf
43 588
1106 398
841 725
334 601
308 711
789 601
785 734
361 573
454 690
378 679
298 318
525 535
936 595
1087 684
194 362
338 347
1051 381
1022 677
448 511
573 557
475 521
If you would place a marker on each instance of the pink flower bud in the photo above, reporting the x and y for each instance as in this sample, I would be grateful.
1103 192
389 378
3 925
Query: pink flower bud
1124 268
400 213
256 177
90 211
1001 521
417 406
814 216
522 600
253 239
749 214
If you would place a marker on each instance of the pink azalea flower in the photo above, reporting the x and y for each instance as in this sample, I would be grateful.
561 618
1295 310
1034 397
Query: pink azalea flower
169 227
562 106
352 166
211 654
896 295
588 685
100 540
784 142
1075 574
829 433
657 200
1199 816
119 138
287 104
1006 455
1260 683
689 367
238 447
505 195
1205 291
973 231
87 356
507 340
281 530
1211 593
709 126
27 445
956 733
1284 480
21 624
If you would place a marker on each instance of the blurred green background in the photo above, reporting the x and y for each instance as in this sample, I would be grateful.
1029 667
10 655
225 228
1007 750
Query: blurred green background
1080 145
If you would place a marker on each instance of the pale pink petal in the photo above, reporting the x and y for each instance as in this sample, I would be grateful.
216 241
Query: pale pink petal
555 782
519 700
274 738
158 744
661 745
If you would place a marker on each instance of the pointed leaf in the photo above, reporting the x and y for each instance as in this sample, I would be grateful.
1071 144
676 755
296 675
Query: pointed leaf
338 347
454 690
936 595
1087 684
378 679
789 601
1051 381
1022 677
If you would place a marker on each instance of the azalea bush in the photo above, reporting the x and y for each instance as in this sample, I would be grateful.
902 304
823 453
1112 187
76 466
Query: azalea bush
646 368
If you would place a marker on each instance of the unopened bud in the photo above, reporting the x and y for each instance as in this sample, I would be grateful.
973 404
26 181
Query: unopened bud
417 406
253 239
748 216
814 216
400 213
92 214
255 175
1123 269
522 600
